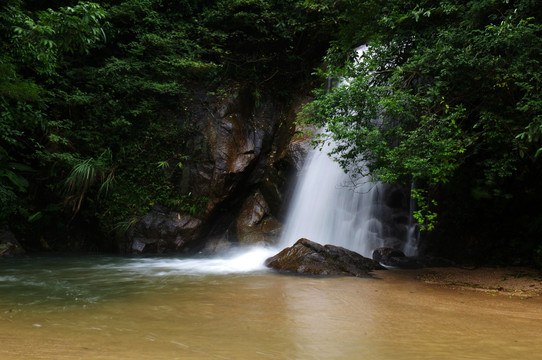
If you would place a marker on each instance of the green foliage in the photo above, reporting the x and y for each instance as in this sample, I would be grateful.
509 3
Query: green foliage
84 174
426 217
448 96
39 41
269 42
32 45
95 101
95 98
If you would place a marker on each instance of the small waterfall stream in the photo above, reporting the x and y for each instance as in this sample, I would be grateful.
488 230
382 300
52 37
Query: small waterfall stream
326 208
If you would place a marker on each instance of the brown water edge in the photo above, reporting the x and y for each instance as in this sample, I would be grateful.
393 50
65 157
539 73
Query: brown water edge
271 316
509 281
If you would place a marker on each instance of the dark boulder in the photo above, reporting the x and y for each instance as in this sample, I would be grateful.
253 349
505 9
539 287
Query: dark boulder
162 231
310 258
395 258
297 152
236 146
9 245
255 224
384 255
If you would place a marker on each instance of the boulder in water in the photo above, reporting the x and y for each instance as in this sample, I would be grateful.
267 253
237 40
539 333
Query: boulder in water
395 258
387 254
310 258
9 245
162 231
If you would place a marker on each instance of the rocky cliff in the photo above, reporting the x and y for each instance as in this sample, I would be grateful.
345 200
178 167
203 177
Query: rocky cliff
242 151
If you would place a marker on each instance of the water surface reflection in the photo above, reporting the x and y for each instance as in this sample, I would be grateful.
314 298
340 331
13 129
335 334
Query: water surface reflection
115 308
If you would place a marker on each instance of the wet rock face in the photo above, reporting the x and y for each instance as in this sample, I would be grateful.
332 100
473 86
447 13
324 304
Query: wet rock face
238 159
162 231
237 137
9 245
310 258
255 224
386 255
396 258
297 151
393 212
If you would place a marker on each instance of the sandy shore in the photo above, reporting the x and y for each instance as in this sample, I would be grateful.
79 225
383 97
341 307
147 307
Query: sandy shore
508 281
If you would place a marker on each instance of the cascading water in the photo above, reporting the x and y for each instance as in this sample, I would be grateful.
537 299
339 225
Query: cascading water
326 208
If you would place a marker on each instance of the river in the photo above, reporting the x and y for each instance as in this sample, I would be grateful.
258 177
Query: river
100 307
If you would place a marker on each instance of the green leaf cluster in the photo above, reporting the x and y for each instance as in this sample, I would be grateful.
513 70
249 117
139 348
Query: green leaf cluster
95 94
447 95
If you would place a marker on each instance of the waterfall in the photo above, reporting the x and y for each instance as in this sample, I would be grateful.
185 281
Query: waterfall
328 209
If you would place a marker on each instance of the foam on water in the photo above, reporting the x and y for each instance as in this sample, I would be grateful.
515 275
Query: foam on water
244 260
59 283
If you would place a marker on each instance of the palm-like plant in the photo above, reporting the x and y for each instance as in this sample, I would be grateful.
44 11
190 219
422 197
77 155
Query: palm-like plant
86 173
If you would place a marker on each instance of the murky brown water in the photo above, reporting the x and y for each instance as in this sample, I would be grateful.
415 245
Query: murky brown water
254 315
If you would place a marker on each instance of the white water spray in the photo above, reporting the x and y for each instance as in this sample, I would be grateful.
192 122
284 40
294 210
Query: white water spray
326 211
238 261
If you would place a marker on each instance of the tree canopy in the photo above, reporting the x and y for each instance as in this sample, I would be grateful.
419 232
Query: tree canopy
91 94
447 95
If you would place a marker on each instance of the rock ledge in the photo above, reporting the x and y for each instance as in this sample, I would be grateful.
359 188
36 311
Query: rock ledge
310 258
